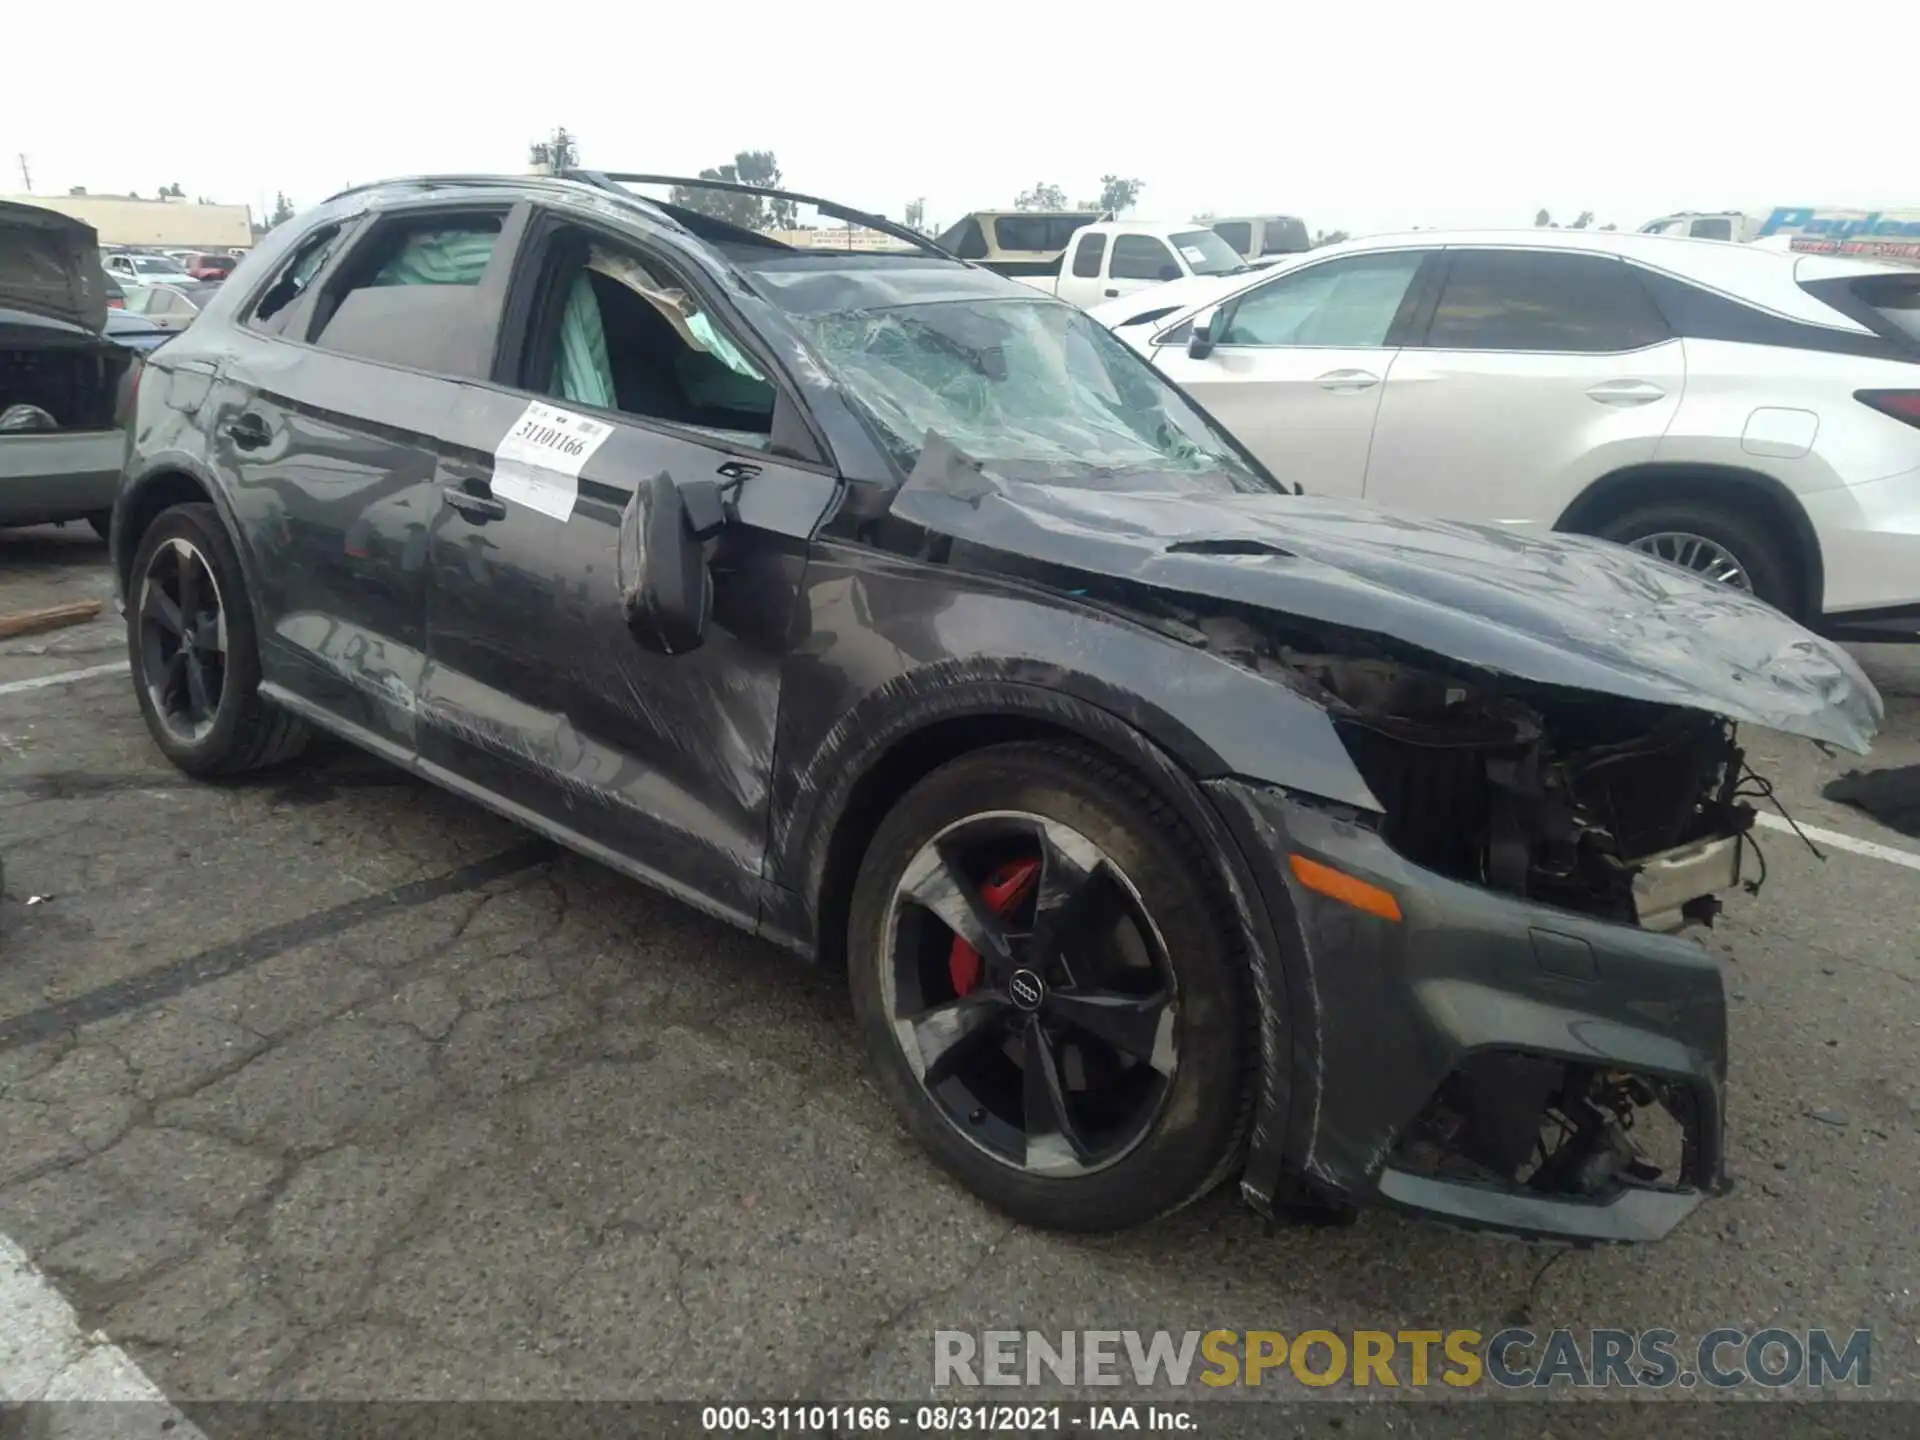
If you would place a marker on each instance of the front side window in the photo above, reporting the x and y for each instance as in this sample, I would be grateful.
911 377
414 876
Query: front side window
1237 233
1542 300
1040 390
1088 253
1206 253
1348 303
626 336
1142 257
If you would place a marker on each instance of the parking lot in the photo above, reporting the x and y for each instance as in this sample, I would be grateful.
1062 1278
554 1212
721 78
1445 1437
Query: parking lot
327 1084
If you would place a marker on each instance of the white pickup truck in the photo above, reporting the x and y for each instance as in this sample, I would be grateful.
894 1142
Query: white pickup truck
1111 258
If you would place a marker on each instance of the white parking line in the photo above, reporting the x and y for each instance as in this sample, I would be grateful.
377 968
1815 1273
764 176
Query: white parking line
1872 849
45 1355
65 677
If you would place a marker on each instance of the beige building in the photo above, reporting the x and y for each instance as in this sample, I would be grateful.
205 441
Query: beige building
161 224
839 237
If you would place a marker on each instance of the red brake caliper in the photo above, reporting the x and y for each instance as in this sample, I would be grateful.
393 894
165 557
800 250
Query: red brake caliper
1004 890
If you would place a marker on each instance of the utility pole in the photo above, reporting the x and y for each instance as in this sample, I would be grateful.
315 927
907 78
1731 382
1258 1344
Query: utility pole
26 175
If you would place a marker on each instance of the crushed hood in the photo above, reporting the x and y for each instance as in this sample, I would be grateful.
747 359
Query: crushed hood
50 266
1555 609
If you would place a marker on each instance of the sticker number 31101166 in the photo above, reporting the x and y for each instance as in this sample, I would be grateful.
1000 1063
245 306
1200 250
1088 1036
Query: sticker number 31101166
538 463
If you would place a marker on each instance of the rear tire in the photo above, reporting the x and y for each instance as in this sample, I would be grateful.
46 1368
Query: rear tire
200 695
1749 543
1169 1117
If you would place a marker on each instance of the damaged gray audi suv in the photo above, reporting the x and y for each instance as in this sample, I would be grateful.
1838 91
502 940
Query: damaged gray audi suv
1170 826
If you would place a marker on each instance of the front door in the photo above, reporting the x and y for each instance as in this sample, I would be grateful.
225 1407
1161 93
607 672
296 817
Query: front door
1297 370
536 695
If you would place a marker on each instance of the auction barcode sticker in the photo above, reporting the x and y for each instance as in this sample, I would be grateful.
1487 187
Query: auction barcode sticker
538 462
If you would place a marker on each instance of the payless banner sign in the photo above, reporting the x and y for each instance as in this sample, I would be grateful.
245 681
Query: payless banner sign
1842 224
1459 1359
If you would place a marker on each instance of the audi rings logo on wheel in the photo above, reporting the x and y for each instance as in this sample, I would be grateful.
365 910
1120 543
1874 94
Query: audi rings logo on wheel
1026 989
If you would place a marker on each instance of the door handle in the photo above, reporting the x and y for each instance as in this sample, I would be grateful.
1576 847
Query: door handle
1347 381
1626 392
478 507
1111 294
249 432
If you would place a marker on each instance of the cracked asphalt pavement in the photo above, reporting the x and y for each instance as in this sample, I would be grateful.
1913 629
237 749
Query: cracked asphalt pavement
327 1084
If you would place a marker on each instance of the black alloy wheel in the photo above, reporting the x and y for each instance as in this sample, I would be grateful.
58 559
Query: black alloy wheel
1051 988
183 640
1031 993
195 657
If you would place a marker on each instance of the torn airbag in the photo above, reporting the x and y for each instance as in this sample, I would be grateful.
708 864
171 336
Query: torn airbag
1556 609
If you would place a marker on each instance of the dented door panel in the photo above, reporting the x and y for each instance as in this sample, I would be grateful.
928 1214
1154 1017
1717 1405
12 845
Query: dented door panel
536 692
334 467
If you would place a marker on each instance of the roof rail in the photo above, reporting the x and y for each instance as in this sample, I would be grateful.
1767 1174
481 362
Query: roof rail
614 180
448 182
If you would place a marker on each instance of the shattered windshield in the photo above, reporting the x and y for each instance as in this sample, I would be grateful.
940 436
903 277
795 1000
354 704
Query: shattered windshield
1036 388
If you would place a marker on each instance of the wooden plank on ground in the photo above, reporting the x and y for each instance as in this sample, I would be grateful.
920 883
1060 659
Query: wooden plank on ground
53 617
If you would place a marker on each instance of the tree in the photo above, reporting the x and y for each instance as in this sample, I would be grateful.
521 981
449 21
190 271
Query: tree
916 217
560 151
172 192
76 190
1042 196
751 212
282 209
1116 194
1541 218
1586 219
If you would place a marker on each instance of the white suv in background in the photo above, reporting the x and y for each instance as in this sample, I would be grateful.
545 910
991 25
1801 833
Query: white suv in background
1750 414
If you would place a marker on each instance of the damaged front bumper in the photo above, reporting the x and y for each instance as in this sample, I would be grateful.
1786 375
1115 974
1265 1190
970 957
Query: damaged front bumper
1430 1054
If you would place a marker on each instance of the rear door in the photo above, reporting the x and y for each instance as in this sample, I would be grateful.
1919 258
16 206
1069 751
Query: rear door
1539 371
337 418
1297 371
537 698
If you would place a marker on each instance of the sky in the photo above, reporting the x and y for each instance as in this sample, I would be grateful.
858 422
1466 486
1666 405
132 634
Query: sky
1364 117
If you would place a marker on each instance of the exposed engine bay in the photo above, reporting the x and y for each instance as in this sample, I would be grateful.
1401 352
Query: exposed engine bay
1620 809
1565 800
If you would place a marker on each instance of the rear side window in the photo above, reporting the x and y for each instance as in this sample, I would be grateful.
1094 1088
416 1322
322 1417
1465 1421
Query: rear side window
309 258
967 241
1285 237
1237 233
409 294
1086 255
1717 228
1141 257
1045 234
1542 301
1895 300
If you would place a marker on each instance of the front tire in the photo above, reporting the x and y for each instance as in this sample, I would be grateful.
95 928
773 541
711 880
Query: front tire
195 653
1713 541
1051 991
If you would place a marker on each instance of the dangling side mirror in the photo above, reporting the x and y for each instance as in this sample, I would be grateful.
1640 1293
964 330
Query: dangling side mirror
665 587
